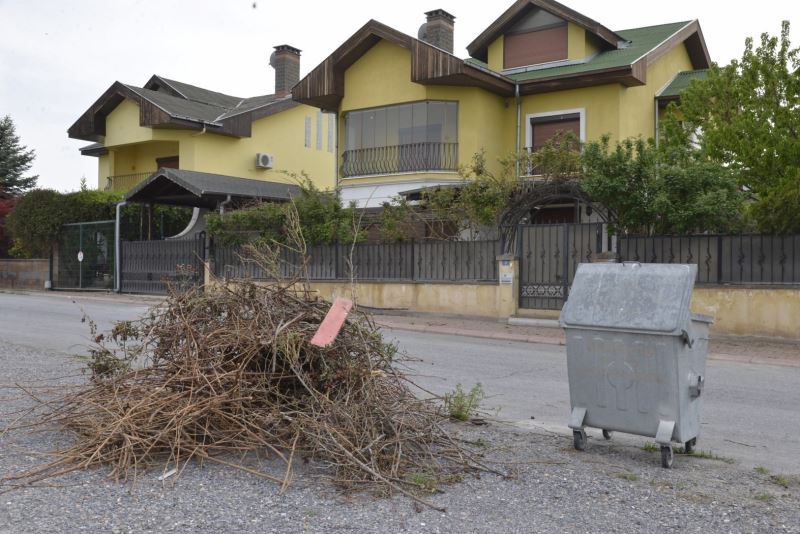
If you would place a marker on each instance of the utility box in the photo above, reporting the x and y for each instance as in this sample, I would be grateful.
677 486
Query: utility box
636 355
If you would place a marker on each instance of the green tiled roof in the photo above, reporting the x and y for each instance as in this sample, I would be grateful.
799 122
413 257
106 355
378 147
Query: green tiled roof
641 41
681 81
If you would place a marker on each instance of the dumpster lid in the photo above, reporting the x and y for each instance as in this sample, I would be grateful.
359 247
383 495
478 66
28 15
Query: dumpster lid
650 297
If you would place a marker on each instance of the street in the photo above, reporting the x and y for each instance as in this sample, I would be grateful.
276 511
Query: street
750 412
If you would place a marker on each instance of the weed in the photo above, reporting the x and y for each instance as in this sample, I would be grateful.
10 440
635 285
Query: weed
706 455
461 405
426 481
631 477
761 470
651 447
780 480
763 497
480 442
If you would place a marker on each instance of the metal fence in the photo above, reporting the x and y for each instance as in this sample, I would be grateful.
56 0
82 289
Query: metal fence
423 261
722 259
549 256
84 256
151 266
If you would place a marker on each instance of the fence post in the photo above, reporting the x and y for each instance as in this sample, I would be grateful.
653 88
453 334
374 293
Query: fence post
598 238
719 259
565 260
413 259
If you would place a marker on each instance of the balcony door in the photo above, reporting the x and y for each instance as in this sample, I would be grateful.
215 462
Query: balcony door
168 162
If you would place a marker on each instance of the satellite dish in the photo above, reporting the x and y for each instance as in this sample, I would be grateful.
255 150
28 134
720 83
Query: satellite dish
422 33
272 60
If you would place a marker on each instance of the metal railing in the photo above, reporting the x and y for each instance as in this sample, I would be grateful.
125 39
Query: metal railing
400 158
722 259
428 261
123 183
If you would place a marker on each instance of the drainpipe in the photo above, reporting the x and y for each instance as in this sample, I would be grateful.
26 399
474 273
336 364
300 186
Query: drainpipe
519 122
223 204
656 121
117 248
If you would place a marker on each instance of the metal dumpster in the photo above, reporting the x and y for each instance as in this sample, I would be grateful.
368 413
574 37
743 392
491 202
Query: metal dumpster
636 355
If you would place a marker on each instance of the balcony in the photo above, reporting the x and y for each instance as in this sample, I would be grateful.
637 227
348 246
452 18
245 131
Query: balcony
414 157
125 182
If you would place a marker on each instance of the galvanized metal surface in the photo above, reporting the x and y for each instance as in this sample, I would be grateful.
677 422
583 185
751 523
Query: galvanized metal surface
636 355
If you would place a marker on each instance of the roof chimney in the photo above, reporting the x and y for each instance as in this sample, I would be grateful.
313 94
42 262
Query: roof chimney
286 62
438 30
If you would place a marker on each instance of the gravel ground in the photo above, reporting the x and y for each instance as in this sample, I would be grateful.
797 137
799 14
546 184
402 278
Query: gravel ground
610 487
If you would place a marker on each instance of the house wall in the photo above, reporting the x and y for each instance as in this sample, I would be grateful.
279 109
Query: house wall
580 43
134 149
382 76
495 54
601 105
638 103
283 136
140 157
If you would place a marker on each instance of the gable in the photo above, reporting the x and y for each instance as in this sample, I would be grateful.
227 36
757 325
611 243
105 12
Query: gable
122 125
382 74
526 15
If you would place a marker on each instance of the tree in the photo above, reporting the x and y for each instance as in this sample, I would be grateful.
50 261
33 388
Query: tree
15 160
671 189
746 116
36 220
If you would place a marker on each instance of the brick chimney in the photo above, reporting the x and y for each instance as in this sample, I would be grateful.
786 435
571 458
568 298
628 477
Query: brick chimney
438 30
286 62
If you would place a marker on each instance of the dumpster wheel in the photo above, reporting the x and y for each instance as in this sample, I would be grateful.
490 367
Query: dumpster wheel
688 447
666 456
579 439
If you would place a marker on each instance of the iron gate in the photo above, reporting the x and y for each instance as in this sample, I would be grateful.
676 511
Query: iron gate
84 256
549 255
154 266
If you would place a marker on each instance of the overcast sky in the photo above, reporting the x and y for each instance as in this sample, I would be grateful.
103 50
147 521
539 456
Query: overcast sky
58 56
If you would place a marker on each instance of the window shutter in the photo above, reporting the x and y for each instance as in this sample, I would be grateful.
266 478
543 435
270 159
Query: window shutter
307 141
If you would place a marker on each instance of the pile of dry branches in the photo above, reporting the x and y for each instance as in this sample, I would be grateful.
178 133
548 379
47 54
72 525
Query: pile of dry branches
212 375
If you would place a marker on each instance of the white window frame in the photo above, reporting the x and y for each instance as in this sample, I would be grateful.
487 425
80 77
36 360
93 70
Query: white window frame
529 131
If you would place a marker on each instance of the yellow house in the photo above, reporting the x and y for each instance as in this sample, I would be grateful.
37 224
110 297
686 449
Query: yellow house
139 132
410 112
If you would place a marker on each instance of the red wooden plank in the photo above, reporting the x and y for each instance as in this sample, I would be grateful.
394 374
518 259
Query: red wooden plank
330 326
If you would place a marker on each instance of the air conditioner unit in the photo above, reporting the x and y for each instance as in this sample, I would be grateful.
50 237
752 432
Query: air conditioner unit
265 161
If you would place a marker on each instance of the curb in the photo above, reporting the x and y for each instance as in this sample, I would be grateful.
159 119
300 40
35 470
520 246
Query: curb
532 321
544 340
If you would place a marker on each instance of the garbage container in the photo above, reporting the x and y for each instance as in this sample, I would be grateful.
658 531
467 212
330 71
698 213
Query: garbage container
636 355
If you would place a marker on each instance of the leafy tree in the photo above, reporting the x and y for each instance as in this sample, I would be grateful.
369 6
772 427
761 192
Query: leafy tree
322 219
746 116
665 190
37 217
15 160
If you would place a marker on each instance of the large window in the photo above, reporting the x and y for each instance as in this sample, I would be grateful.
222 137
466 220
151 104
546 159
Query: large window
407 137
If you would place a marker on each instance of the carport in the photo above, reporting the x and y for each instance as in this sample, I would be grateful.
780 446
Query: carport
143 265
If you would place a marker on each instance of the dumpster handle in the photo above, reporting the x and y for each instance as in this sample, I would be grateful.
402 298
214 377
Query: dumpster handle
687 338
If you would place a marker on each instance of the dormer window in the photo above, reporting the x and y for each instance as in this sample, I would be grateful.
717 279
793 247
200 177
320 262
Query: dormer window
537 38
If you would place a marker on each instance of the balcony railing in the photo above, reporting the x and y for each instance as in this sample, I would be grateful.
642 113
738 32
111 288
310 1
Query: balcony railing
400 158
125 182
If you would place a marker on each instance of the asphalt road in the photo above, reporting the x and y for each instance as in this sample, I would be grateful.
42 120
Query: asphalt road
750 414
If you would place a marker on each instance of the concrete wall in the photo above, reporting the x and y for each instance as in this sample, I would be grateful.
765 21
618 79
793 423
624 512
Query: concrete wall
23 274
746 311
